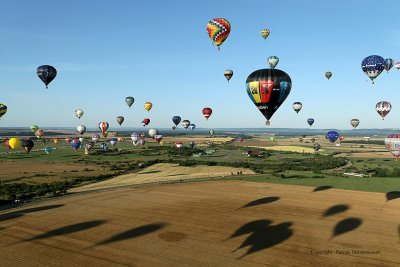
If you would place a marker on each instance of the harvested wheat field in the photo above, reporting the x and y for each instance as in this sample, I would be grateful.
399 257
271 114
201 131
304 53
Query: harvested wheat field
217 223
299 149
164 172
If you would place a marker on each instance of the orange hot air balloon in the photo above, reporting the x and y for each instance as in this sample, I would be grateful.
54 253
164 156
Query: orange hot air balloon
207 112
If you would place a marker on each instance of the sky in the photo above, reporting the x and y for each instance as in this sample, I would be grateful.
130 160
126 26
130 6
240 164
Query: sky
159 51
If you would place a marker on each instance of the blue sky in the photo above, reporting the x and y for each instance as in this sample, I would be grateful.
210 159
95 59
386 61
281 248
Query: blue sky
159 51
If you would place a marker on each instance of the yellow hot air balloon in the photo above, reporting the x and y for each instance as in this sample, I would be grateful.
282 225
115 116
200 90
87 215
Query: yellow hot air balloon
14 143
265 33
148 106
120 139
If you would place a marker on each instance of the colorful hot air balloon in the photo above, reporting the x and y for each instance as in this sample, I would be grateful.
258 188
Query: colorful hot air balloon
397 65
218 30
264 33
297 106
341 138
3 110
383 108
27 145
373 66
34 128
79 113
392 143
268 89
207 112
388 64
153 132
75 144
310 121
332 136
95 138
81 129
88 147
355 123
228 74
145 121
192 126
39 133
328 74
211 132
129 101
120 120
14 143
142 141
185 123
272 61
103 126
68 140
176 120
113 141
158 138
148 106
56 140
46 73
48 150
179 145
317 147
120 139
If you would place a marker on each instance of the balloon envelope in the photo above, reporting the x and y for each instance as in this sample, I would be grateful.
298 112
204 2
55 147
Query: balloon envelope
46 73
103 126
228 74
218 30
14 143
297 106
310 121
185 123
355 123
332 136
81 129
3 110
264 33
207 112
389 63
383 108
27 145
148 106
176 120
129 101
79 113
373 66
273 61
328 74
120 120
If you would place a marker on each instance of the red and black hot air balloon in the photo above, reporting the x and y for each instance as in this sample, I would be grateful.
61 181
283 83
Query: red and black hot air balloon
207 112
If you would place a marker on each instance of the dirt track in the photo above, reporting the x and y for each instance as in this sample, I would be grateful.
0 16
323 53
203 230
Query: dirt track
225 223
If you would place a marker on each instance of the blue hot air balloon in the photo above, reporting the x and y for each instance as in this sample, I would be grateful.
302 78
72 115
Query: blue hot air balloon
192 126
310 121
48 150
176 120
372 66
332 136
76 144
389 63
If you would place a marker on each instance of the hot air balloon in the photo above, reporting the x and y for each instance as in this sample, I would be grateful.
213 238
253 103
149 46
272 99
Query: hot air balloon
3 110
14 143
48 150
120 139
95 138
34 128
27 145
341 138
397 65
68 140
272 138
178 145
81 129
142 141
228 74
192 126
392 143
207 112
81 139
388 64
317 147
135 138
158 138
39 133
218 30
129 101
145 121
176 120
313 139
383 108
148 106
56 140
332 136
46 73
272 61
268 89
355 123
297 106
153 132
192 144
75 144
310 121
185 123
120 120
6 144
328 74
265 33
113 141
211 132
301 139
373 66
88 147
79 113
105 134
103 126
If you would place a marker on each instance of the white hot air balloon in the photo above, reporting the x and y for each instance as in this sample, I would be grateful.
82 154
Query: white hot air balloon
79 113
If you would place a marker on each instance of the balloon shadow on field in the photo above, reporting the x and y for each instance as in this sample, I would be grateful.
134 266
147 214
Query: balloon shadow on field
345 226
322 188
262 234
73 228
335 210
133 233
392 195
19 213
261 201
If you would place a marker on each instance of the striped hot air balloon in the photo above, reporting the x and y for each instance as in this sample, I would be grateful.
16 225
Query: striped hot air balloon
383 108
218 30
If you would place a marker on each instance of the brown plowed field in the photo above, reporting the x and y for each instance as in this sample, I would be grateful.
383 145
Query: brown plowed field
218 223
